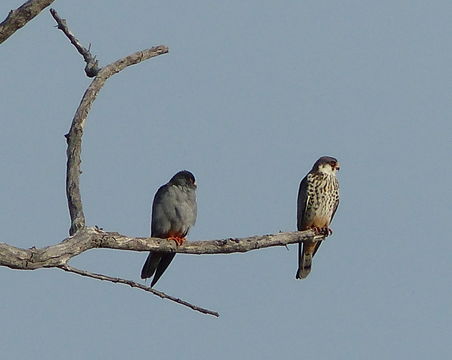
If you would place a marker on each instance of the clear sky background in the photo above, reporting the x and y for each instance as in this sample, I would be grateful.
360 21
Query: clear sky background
250 95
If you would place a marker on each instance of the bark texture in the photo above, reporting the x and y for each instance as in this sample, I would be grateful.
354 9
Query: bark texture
93 238
21 16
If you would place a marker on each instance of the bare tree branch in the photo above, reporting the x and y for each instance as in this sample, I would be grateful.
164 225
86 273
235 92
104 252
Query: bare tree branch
91 68
93 238
57 256
138 286
74 137
19 17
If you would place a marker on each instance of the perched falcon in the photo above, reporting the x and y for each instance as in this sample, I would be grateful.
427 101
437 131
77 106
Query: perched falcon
318 198
173 213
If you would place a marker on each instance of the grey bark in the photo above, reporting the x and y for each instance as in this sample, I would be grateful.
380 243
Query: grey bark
21 16
74 137
93 238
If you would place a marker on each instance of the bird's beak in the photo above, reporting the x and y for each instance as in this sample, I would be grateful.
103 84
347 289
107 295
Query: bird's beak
338 166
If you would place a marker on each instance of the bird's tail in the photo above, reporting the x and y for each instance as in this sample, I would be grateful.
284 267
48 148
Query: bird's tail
156 263
150 265
306 251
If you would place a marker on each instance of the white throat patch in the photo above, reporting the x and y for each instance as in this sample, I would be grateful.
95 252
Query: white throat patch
327 169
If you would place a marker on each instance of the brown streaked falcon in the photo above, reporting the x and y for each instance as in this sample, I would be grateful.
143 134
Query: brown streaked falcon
318 198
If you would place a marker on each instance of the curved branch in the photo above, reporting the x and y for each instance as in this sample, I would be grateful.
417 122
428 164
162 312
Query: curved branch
19 17
74 137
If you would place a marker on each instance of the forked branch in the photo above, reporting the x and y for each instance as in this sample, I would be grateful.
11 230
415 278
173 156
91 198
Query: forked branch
57 256
74 137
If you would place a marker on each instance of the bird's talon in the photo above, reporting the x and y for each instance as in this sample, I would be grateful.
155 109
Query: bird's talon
316 230
179 240
326 231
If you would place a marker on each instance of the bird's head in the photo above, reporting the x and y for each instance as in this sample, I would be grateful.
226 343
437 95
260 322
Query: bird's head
184 178
327 165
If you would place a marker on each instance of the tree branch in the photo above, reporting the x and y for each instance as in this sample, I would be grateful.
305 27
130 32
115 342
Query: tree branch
91 68
19 17
138 286
57 256
94 238
74 137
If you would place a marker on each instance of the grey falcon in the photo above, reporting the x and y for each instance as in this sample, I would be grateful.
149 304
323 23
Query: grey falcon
318 199
174 212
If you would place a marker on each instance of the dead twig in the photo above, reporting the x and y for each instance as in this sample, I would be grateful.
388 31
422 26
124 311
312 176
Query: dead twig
133 284
91 68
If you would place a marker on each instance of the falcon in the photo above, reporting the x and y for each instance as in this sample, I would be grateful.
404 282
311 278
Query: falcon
318 198
173 214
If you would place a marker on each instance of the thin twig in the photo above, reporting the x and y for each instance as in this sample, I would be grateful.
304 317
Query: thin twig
91 68
133 284
21 16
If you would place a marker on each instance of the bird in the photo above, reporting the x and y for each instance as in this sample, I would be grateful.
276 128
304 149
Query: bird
174 211
318 199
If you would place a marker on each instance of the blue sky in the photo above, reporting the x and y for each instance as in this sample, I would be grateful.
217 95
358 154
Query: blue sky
250 95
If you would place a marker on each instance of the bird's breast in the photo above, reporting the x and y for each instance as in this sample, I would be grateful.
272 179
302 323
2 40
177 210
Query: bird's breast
323 194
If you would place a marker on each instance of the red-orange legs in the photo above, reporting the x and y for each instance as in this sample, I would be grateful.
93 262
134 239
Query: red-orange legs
179 240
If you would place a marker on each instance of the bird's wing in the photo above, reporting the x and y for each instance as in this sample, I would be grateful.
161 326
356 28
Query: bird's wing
334 210
302 202
162 211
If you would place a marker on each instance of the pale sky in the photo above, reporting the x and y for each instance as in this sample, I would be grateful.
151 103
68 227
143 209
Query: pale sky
250 95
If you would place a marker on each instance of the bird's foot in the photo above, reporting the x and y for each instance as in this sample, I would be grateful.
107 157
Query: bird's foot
326 231
317 230
179 240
